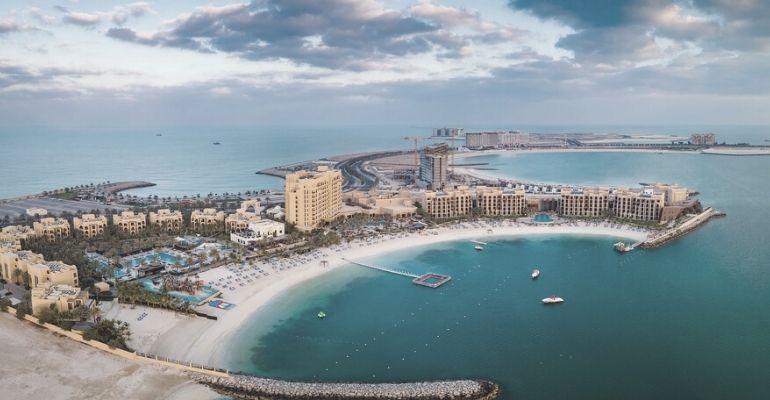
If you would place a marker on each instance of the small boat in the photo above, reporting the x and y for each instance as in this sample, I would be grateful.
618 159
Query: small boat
321 315
535 273
553 300
622 247
478 248
158 134
217 143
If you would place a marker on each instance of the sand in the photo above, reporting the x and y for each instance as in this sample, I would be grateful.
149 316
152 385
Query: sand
37 364
208 342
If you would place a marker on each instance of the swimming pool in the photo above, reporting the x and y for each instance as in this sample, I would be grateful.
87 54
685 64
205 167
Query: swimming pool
197 298
542 218
147 258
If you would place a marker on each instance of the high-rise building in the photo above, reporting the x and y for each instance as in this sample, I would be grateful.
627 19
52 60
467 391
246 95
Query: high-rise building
447 132
313 198
433 166
703 139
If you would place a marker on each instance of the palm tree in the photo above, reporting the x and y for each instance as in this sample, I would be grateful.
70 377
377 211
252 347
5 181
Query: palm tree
17 275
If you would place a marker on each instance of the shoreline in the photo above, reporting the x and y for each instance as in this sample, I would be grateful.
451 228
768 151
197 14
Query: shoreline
211 342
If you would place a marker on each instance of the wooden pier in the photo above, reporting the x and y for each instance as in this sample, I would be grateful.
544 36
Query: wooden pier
431 280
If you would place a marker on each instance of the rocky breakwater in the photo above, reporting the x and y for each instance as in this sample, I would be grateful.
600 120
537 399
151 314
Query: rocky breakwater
251 387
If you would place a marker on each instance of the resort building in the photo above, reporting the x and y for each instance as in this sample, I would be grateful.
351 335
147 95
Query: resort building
433 166
643 205
257 231
674 194
208 218
53 272
447 204
16 234
313 198
90 225
500 201
129 222
240 220
588 202
62 297
52 229
166 220
11 261
447 132
392 204
493 140
275 212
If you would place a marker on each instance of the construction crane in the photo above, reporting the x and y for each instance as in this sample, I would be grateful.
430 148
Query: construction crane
417 144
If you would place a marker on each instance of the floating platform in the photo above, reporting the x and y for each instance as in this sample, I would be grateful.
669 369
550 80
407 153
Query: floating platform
431 280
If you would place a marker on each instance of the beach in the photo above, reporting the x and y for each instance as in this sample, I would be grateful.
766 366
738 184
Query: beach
200 340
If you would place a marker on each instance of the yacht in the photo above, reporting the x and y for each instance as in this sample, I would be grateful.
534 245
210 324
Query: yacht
478 248
553 300
535 273
321 315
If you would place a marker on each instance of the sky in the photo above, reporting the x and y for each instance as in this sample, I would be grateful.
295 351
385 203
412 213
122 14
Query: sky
106 63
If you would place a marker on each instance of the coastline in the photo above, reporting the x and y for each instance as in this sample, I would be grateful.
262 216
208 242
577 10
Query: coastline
211 342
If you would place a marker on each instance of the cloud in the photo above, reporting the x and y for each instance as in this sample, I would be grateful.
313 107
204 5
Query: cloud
345 34
119 15
7 25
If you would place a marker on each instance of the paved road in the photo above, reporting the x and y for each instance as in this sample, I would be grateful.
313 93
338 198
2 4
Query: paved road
54 206
356 176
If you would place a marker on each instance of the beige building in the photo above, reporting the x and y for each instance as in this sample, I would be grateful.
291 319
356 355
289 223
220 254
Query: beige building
433 166
313 198
129 222
588 202
643 205
52 229
90 225
166 220
53 272
500 201
62 297
674 194
241 218
393 204
16 234
208 218
450 203
11 261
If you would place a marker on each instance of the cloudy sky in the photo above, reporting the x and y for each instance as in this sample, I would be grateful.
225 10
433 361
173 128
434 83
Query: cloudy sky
159 63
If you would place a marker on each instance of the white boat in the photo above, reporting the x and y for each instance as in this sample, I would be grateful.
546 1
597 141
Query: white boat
478 248
553 300
535 273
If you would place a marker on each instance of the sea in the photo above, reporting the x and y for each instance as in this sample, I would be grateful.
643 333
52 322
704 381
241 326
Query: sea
688 320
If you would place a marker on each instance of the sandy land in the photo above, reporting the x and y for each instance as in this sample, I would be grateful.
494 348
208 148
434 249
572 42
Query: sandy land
36 364
208 342
512 152
738 151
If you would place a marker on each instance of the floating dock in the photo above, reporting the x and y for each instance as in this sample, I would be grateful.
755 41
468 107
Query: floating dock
431 280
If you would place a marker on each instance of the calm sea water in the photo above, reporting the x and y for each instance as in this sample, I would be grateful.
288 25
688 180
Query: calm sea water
185 162
688 320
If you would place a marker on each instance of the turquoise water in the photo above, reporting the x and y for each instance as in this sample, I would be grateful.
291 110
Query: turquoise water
543 218
203 294
688 320
161 256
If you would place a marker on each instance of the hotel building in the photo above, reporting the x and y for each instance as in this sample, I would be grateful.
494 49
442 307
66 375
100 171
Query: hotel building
52 229
395 205
90 225
490 140
40 271
62 297
703 139
11 261
313 198
129 222
501 201
166 220
17 234
258 230
588 202
241 218
674 194
642 205
433 166
450 203
208 218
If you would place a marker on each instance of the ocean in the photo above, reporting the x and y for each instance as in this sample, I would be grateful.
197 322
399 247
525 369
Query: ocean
688 320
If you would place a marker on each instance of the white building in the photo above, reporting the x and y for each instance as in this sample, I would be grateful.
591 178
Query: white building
257 231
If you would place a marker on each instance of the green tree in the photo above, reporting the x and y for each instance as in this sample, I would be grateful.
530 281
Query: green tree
110 332
4 304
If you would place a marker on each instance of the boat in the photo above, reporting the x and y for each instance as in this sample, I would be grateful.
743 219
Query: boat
553 300
622 247
321 315
535 273
217 143
478 248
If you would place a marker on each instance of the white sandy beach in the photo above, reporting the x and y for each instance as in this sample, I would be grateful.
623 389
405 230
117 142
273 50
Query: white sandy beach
204 341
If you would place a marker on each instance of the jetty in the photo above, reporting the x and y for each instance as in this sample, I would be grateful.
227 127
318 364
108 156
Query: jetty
251 387
680 230
431 280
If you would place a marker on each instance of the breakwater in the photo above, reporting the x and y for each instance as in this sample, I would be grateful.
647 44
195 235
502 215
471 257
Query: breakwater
254 388
681 230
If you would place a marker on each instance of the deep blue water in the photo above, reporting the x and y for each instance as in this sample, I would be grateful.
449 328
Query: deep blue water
688 320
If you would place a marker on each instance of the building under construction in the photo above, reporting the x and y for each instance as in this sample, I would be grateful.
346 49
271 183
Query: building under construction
434 162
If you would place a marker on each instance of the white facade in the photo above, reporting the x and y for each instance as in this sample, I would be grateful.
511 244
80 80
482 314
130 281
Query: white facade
257 231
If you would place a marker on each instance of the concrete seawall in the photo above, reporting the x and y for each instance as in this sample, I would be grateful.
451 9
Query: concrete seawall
250 387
